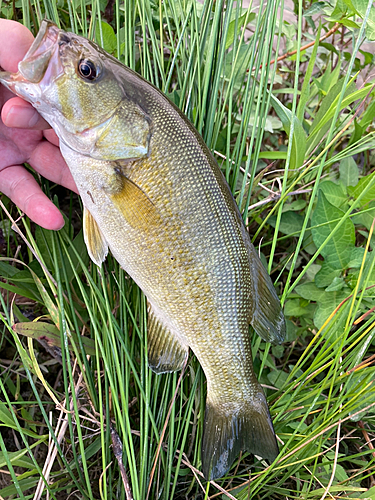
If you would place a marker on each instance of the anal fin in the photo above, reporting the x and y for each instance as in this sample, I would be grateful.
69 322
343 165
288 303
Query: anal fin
267 317
96 244
165 352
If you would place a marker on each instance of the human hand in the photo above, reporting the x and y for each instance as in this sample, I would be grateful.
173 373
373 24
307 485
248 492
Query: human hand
25 137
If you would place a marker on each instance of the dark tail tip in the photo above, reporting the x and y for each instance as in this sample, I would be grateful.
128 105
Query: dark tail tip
245 426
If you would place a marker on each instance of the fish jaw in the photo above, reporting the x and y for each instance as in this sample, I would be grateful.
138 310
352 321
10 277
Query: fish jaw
38 69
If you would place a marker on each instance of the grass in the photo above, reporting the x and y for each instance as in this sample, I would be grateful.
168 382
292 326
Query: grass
92 421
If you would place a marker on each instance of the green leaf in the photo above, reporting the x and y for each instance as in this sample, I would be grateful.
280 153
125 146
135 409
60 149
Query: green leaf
310 291
5 416
305 91
360 7
338 248
294 309
50 334
326 275
335 194
23 484
356 258
364 184
231 34
105 36
278 378
348 171
337 284
369 494
368 116
17 459
327 305
366 218
295 206
291 222
299 136
323 118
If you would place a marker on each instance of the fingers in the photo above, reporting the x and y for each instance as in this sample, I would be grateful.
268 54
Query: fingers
15 40
48 161
21 187
20 114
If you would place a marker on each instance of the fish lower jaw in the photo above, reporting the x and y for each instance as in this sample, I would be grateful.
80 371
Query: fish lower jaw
30 93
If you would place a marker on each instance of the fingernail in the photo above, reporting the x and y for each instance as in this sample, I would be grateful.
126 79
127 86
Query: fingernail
21 117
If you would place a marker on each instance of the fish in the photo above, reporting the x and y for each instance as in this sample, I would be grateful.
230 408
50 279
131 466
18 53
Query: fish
154 195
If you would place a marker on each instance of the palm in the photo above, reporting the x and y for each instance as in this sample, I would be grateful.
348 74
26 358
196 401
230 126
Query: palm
21 142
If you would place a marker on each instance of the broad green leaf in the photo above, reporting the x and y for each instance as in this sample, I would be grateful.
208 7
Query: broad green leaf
295 206
369 494
315 8
231 34
291 222
19 291
335 194
362 185
310 291
329 77
294 308
337 284
340 9
278 378
105 37
338 248
366 218
356 257
348 171
360 7
45 245
327 305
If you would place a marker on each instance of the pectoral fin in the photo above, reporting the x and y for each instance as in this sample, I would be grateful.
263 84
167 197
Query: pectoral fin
97 246
267 316
135 206
165 352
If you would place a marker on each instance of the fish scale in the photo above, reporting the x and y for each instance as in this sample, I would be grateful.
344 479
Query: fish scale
154 195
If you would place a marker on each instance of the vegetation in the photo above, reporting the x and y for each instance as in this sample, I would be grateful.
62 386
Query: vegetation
81 414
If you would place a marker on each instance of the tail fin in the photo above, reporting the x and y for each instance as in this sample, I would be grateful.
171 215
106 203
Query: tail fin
243 427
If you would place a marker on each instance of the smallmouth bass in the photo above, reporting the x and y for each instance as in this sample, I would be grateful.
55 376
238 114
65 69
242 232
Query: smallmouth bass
154 195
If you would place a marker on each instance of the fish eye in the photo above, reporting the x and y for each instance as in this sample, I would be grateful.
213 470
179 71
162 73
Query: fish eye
88 70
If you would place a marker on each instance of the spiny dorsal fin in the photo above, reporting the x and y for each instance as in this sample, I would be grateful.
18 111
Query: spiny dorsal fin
97 246
267 316
165 352
136 207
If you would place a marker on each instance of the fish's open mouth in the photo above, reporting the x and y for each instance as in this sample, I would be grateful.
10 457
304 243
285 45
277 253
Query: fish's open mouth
35 63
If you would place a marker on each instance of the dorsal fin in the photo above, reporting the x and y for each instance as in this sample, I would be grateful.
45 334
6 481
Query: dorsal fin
267 316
